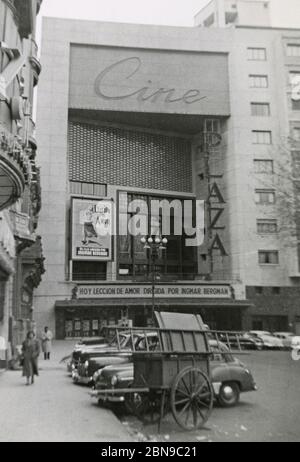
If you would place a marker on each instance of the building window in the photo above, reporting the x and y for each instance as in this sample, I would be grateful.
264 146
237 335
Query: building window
265 197
259 290
267 226
257 54
295 105
209 21
293 50
260 109
212 126
263 166
261 137
268 257
258 81
276 290
88 271
296 133
88 189
294 77
176 262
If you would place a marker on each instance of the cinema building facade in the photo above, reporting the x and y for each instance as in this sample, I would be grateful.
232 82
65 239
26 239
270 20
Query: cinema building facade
141 113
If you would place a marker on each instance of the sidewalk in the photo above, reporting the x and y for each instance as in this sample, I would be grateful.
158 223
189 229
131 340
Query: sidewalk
54 409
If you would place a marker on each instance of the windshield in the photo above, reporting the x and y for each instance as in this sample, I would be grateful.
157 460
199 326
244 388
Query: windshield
122 340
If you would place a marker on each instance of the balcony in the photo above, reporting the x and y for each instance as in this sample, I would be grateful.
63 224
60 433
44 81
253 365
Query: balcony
15 168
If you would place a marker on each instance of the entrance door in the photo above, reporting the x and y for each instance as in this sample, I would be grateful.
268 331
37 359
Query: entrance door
298 327
86 328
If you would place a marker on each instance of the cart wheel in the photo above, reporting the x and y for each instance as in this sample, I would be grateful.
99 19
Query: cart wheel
191 399
145 406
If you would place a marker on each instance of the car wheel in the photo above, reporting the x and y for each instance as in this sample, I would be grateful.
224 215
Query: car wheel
229 394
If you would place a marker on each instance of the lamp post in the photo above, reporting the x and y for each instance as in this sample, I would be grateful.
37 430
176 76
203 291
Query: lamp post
154 245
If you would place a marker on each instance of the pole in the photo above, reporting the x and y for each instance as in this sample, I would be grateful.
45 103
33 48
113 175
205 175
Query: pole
153 259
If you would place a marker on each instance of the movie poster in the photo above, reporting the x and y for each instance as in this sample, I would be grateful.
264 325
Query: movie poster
92 230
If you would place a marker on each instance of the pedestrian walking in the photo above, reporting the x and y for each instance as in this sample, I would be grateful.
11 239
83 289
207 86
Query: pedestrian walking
30 351
47 337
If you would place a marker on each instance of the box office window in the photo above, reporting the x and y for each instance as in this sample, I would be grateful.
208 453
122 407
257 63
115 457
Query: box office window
177 261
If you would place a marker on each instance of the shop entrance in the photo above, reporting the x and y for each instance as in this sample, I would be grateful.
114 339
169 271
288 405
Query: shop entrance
83 327
270 323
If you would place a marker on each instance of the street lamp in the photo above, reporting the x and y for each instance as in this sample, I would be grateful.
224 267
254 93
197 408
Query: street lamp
154 245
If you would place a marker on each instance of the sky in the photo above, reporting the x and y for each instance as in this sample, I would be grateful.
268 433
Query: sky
285 13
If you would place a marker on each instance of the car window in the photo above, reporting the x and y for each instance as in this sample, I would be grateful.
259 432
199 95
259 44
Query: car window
152 344
217 356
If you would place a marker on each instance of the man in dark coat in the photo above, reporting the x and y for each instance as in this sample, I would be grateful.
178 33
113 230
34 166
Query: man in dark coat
31 351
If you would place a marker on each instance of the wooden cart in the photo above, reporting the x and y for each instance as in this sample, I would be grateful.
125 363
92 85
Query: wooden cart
173 373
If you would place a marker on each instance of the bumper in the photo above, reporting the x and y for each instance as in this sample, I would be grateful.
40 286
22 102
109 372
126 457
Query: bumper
107 397
82 380
244 387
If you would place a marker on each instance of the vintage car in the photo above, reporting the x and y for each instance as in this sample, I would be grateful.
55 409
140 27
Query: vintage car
92 360
82 345
286 337
296 343
245 341
269 340
230 378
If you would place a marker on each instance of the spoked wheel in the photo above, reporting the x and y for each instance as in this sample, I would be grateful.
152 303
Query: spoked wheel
145 406
191 399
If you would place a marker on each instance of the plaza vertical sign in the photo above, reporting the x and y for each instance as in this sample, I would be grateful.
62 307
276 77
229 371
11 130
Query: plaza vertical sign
92 230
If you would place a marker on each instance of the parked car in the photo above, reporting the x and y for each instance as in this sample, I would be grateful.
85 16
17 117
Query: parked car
269 340
245 341
230 378
92 360
296 343
286 337
83 345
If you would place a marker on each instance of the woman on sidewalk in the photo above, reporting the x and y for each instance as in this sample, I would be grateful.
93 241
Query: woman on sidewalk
31 352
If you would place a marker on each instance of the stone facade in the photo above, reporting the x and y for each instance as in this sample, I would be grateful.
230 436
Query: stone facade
20 195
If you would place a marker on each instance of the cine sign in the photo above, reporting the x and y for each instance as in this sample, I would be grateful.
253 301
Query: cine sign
143 291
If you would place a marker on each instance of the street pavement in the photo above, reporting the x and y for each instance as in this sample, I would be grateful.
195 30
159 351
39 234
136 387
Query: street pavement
269 415
56 410
53 409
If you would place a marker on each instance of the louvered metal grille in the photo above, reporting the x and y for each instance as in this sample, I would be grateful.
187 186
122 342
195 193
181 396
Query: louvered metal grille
122 157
